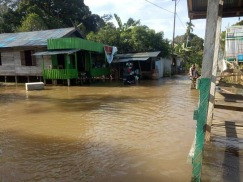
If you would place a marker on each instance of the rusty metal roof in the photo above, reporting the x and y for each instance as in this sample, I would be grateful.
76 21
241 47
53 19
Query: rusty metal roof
35 38
139 55
197 9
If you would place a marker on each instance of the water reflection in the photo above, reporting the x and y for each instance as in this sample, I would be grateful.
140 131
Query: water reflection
104 132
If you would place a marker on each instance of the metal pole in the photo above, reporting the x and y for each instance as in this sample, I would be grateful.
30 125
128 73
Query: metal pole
173 38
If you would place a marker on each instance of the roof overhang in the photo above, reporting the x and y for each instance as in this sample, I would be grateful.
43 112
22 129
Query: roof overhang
49 53
139 55
197 9
130 59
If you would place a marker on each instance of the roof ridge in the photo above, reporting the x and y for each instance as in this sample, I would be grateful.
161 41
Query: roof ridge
38 30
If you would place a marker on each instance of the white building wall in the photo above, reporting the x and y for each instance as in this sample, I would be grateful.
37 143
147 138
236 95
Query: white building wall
159 65
167 66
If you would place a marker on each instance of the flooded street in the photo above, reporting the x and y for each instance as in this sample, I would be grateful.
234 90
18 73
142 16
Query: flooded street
103 132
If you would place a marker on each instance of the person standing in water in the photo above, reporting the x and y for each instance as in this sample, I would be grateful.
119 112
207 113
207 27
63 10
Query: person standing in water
193 72
194 75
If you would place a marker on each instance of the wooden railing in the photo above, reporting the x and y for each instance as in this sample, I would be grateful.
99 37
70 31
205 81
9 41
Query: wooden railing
60 73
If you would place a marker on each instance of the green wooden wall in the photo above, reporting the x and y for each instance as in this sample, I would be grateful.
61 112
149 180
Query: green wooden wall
75 43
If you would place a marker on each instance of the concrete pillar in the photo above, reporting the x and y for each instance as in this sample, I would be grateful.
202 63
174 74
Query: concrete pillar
5 79
211 52
207 83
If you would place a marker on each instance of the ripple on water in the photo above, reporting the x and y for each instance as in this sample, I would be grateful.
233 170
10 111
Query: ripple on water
138 133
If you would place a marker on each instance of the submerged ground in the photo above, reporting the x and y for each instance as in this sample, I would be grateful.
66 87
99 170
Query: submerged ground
102 132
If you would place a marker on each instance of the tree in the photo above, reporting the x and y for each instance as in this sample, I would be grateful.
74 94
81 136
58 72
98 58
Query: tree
54 13
190 55
32 22
131 37
107 35
239 23
189 29
128 25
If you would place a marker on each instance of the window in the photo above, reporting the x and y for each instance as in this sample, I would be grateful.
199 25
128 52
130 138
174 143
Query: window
27 58
0 59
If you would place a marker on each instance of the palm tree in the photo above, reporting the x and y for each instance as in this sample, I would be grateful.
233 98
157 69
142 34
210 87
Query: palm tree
130 23
189 29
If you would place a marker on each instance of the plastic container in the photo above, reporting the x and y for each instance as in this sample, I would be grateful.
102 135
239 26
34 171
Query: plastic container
240 57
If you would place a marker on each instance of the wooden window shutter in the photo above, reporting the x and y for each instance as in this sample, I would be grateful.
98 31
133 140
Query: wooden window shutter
33 58
22 57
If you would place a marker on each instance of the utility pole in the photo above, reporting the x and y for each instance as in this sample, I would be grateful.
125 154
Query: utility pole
173 38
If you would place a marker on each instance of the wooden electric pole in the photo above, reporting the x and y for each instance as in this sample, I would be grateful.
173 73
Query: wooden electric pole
173 41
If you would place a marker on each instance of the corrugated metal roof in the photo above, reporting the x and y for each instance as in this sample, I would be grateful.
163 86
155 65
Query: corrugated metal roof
35 38
139 55
130 59
198 8
48 53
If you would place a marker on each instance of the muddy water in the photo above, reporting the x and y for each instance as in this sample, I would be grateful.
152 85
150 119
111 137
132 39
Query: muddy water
103 132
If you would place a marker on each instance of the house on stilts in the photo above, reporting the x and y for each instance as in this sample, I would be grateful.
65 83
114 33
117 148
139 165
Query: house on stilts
59 54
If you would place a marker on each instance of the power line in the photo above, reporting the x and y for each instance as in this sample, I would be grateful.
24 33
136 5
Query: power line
181 21
159 7
178 2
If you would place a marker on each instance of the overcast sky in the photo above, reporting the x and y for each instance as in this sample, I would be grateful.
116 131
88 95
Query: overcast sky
152 16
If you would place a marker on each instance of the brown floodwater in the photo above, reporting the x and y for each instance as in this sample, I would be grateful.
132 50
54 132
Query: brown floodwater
102 132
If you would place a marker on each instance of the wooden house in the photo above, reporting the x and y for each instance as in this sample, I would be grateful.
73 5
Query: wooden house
60 54
17 49
72 58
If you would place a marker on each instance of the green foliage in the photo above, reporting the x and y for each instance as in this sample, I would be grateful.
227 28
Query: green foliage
131 37
239 23
190 55
222 40
54 14
108 35
189 29
32 22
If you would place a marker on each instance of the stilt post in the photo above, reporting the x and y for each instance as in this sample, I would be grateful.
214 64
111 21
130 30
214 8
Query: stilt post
206 84
68 82
16 79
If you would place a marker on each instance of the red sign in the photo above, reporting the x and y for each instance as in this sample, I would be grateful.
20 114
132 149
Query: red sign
108 49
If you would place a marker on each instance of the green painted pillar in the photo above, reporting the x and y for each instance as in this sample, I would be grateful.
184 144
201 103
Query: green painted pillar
201 116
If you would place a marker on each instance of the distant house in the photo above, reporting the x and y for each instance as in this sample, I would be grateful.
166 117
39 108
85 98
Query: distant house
234 44
17 49
149 64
